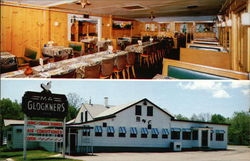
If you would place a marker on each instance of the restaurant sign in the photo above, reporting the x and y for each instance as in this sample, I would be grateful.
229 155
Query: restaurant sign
44 104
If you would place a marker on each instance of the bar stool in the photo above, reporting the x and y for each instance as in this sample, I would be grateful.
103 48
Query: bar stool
107 67
130 64
92 71
145 57
120 67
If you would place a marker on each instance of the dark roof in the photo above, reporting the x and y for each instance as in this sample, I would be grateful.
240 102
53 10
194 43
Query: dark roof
201 122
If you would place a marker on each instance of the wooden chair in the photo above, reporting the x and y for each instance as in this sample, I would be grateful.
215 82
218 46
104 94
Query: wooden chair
4 68
92 71
78 48
70 74
107 67
145 57
121 62
131 57
30 54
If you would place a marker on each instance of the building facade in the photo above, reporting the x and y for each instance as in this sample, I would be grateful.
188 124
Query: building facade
140 126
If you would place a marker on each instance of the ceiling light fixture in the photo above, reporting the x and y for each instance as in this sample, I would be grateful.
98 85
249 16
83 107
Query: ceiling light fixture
151 16
83 3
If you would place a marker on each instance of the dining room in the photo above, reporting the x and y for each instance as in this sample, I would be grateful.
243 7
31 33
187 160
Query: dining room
91 39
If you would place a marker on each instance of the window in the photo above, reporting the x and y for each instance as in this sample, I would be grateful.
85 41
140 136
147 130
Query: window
149 126
86 132
133 132
186 134
81 116
138 110
86 116
211 135
122 132
110 131
18 130
195 135
144 132
165 133
138 119
98 131
220 135
104 124
150 111
155 132
175 133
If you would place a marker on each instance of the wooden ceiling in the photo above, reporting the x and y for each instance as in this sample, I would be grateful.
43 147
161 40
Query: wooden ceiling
159 8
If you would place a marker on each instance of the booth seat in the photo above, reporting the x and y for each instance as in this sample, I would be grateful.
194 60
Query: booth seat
183 70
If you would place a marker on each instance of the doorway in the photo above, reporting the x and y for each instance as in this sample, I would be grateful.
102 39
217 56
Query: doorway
204 138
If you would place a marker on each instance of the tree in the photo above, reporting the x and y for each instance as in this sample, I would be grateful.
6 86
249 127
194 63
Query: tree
9 110
239 130
74 100
72 112
217 118
180 117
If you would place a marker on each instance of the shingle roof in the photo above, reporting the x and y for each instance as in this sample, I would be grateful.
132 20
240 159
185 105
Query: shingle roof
95 109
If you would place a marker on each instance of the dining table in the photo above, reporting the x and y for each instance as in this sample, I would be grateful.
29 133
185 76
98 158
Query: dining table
64 66
7 58
53 51
140 48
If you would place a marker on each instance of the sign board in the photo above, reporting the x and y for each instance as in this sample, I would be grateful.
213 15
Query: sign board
45 123
44 104
44 139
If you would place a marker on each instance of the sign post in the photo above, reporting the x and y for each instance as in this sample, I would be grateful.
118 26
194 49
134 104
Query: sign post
24 138
44 104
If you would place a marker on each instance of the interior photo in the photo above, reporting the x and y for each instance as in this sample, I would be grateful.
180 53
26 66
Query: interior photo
125 39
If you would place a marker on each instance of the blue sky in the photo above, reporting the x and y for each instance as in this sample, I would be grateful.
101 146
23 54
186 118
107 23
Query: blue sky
177 97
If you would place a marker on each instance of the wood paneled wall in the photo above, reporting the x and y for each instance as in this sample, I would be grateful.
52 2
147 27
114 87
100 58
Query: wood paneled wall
21 27
201 35
208 58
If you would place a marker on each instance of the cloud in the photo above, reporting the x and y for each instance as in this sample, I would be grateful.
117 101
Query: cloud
220 94
217 89
240 84
246 91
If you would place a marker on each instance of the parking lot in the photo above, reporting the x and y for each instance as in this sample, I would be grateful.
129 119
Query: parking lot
234 153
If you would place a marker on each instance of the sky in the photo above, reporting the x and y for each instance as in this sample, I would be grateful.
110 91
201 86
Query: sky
177 97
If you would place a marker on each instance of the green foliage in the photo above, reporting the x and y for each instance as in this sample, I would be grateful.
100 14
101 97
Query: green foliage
239 131
180 117
32 155
10 110
72 112
217 118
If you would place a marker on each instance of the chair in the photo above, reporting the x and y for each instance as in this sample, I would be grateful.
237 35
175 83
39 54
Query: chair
29 55
107 67
92 71
130 64
145 57
4 68
78 48
121 62
70 74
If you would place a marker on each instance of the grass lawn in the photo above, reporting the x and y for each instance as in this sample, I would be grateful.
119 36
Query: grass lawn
31 156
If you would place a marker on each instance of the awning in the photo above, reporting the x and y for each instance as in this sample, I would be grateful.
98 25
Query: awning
165 132
155 131
220 131
175 129
186 130
144 131
133 130
122 130
110 129
211 131
98 129
86 130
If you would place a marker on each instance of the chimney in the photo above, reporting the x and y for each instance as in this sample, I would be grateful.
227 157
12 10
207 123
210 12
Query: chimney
106 99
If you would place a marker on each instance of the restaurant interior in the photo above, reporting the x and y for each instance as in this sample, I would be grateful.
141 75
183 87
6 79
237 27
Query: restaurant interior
125 39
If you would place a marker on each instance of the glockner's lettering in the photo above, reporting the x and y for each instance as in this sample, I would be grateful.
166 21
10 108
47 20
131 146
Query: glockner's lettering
49 106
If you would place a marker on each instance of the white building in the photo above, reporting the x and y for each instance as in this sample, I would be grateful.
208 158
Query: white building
140 126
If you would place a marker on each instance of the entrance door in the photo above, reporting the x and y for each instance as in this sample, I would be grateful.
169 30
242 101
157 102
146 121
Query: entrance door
72 143
204 138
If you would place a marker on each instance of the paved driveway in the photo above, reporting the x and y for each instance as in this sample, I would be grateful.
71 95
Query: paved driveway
234 153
